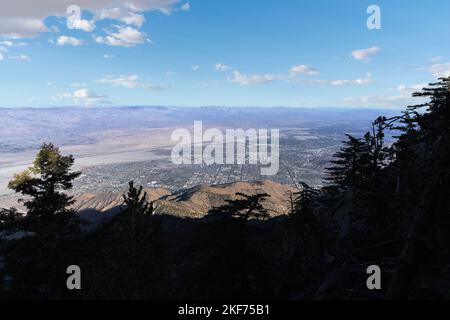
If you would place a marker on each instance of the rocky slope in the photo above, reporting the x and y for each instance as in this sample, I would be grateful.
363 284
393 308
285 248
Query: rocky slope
194 202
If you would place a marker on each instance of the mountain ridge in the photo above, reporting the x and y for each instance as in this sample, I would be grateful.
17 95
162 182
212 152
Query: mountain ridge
194 202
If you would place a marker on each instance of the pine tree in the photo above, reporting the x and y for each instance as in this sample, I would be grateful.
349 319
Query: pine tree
245 208
9 220
226 269
377 152
437 118
401 154
48 207
305 236
350 165
303 205
427 238
132 263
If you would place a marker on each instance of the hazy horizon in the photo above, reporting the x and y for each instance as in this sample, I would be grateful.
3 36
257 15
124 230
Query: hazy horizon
353 108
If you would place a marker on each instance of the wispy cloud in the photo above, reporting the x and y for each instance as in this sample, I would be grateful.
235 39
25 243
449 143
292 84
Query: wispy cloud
399 100
365 54
303 69
81 24
84 97
360 82
221 67
439 70
131 82
242 79
66 40
124 37
186 7
22 57
123 14
292 75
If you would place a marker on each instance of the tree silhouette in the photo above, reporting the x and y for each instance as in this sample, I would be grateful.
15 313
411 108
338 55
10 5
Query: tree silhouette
429 168
48 207
133 251
225 271
350 164
303 204
10 220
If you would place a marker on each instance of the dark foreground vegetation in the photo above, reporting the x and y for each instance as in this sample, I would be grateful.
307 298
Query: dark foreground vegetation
385 205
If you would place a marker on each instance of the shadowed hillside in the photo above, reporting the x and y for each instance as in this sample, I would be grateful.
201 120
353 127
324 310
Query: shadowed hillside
194 202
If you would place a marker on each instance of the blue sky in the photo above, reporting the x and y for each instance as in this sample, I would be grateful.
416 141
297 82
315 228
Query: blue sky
223 53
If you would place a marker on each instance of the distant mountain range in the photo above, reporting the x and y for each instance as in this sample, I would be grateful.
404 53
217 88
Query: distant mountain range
22 129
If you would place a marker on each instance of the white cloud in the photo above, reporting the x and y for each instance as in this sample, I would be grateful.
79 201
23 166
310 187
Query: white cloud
365 54
170 73
65 40
404 97
317 81
360 82
397 101
21 57
221 67
195 67
19 27
134 18
242 79
83 97
303 69
6 43
131 82
165 6
88 97
80 24
124 37
25 18
123 14
409 90
75 21
438 70
186 6
108 56
1 57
